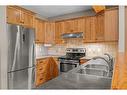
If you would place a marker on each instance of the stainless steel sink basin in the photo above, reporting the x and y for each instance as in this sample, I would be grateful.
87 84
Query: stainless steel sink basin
96 72
97 66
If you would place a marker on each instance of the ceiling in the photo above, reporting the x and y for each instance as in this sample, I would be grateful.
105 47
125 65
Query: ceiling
52 11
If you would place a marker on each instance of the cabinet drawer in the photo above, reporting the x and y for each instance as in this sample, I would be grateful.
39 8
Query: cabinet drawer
40 78
41 70
40 63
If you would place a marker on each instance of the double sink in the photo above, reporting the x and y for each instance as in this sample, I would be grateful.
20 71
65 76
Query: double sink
95 69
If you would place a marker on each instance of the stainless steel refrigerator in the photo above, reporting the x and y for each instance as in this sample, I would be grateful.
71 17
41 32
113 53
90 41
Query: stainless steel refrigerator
21 57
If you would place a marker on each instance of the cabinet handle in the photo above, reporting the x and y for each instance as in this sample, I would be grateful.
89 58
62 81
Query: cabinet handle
21 22
41 78
40 69
41 61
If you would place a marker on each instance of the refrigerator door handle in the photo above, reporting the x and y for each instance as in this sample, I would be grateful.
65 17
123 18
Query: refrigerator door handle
33 55
16 48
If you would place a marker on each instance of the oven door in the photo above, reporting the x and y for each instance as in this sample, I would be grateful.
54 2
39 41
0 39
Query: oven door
65 67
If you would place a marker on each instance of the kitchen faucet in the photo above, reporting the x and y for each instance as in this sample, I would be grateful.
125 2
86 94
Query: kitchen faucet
109 56
110 60
110 67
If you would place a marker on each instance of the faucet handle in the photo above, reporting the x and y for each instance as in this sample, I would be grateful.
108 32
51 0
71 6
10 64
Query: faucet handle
109 56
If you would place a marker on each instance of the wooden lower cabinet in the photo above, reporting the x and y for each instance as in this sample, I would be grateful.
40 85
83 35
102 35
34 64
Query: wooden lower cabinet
46 69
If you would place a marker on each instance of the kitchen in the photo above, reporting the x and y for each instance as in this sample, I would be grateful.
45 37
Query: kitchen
71 49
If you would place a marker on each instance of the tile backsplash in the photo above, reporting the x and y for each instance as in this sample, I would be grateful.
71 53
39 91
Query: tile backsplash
92 49
41 50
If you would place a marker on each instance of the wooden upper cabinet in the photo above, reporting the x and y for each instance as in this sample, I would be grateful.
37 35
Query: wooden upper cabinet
13 15
59 30
20 16
73 25
87 32
111 25
80 25
68 26
49 32
100 28
27 19
90 29
39 31
93 28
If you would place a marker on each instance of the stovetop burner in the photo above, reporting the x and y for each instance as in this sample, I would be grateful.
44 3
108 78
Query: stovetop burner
74 53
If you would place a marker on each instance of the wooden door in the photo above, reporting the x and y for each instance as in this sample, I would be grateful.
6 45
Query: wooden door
75 26
90 29
68 26
59 30
27 19
87 32
42 71
100 28
13 15
111 25
49 34
39 31
81 25
93 28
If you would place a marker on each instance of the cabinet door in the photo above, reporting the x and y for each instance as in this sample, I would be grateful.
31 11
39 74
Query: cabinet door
68 25
59 30
75 25
36 30
87 33
93 28
13 15
90 29
100 28
42 69
27 19
39 31
81 25
49 34
111 25
42 31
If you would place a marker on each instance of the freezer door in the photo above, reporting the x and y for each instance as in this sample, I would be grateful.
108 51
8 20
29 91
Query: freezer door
23 79
18 79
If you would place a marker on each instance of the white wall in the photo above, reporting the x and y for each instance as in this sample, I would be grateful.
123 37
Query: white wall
3 48
121 28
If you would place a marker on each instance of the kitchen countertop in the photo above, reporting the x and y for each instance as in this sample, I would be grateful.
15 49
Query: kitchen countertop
72 80
46 56
119 80
87 57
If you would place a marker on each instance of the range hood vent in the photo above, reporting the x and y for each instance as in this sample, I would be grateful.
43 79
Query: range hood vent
72 35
